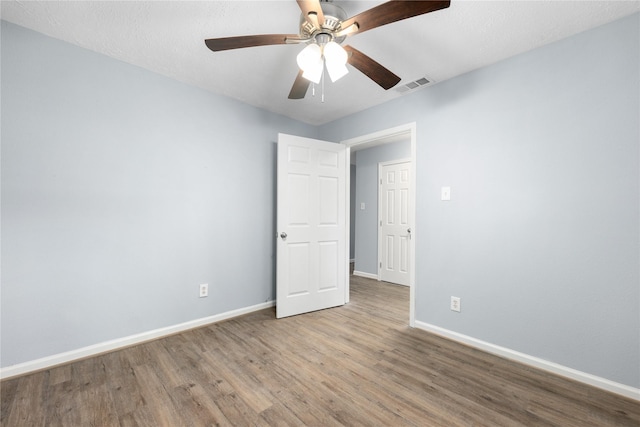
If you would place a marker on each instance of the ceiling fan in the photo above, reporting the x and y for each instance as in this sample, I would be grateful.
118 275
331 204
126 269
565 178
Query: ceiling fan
323 27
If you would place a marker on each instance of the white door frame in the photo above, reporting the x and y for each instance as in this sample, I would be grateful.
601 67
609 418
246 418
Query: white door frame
385 137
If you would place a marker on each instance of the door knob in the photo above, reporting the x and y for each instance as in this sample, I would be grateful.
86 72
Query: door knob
283 235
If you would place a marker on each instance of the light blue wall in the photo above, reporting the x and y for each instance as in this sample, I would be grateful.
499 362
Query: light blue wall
541 238
122 191
366 235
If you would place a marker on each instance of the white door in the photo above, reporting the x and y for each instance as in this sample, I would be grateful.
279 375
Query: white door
394 221
312 267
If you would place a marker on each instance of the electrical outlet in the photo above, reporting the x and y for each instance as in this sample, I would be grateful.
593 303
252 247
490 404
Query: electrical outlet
455 304
204 290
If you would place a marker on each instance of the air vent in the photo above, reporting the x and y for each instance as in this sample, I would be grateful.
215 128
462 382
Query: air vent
414 85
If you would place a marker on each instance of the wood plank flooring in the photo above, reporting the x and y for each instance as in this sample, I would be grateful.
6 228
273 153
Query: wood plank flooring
357 365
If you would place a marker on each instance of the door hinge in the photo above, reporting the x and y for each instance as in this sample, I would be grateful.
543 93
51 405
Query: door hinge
380 223
380 264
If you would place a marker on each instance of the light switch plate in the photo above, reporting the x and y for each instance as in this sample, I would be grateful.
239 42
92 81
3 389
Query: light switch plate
362 206
445 193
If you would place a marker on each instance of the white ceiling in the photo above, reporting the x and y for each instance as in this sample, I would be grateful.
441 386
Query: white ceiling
167 37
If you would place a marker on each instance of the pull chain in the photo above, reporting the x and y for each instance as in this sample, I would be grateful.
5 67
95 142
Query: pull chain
313 87
322 98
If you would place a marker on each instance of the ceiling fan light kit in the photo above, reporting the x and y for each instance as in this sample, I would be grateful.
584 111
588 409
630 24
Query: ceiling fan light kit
324 26
313 58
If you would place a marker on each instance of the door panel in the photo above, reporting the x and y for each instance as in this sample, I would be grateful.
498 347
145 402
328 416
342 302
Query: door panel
328 261
311 250
328 201
298 254
298 206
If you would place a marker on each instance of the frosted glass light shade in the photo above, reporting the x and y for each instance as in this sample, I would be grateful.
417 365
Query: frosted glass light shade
336 59
314 73
336 71
310 62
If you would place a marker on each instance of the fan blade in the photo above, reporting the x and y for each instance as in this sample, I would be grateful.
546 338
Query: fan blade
300 86
392 11
312 6
372 69
226 43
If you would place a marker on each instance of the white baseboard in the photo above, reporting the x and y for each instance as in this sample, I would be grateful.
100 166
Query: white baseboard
107 346
583 377
367 275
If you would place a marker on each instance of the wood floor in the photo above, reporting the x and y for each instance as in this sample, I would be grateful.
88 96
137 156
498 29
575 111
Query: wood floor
355 365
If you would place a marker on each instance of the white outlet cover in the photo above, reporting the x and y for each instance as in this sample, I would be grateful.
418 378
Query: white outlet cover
455 304
204 290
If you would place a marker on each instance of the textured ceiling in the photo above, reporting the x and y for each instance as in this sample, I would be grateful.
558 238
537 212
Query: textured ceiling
167 37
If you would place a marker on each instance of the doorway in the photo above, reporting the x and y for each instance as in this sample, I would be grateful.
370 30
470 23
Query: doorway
388 136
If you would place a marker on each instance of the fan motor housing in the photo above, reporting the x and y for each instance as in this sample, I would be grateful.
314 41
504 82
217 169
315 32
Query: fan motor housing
333 17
